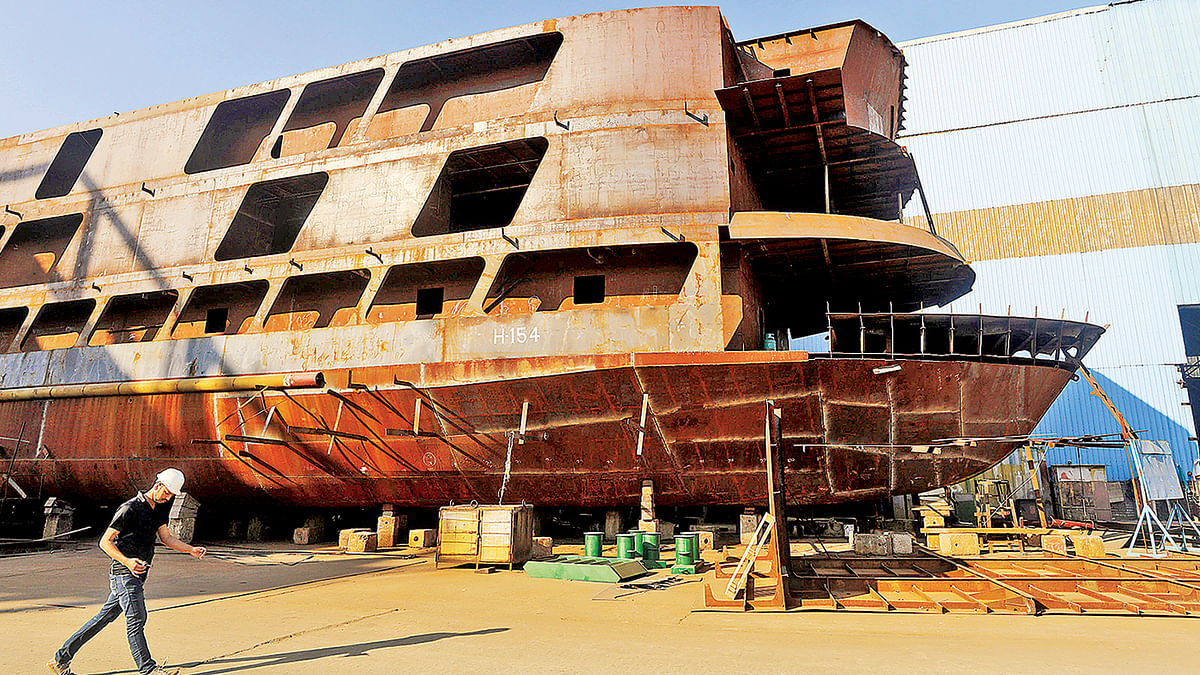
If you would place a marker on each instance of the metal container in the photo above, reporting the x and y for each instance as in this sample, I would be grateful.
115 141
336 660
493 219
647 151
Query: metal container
625 547
650 549
638 540
593 544
685 552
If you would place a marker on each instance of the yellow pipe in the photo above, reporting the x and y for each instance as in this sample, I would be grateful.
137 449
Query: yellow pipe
188 385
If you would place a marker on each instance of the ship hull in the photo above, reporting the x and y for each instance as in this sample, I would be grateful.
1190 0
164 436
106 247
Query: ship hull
439 433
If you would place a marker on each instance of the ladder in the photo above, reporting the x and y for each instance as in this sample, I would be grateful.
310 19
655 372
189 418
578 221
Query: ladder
762 535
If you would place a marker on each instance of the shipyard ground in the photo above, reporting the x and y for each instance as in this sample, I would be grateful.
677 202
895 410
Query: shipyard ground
262 610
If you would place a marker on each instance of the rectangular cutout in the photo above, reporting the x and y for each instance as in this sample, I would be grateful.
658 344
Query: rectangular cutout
400 296
236 130
271 215
35 248
58 325
338 101
480 188
632 275
225 308
429 302
318 301
216 320
68 164
133 318
437 79
589 289
10 324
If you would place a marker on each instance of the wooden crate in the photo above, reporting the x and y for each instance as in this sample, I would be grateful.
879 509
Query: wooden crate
485 534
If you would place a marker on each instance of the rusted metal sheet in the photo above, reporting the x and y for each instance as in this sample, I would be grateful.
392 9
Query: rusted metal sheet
849 433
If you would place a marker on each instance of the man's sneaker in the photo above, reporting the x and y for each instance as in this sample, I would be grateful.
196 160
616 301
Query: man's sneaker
58 668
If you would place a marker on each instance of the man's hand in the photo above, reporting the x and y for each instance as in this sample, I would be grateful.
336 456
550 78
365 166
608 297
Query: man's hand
198 552
137 565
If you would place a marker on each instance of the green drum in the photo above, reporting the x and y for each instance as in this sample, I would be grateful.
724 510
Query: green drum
695 537
593 544
638 539
685 551
625 547
650 549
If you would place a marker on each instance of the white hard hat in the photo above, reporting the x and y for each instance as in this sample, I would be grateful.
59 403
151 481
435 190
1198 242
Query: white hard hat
172 479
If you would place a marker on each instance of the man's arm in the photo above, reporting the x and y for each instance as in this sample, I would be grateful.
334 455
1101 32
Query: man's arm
108 544
172 542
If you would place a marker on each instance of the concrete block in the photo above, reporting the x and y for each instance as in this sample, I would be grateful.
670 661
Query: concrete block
708 540
387 528
306 536
747 524
344 536
542 547
58 523
362 542
958 543
422 538
1054 542
184 529
612 525
902 543
873 544
1088 545
184 506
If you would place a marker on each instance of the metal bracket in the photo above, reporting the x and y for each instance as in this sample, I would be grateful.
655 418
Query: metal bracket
147 190
702 119
512 240
565 125
672 235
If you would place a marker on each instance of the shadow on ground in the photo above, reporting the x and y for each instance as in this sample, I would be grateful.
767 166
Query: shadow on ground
233 664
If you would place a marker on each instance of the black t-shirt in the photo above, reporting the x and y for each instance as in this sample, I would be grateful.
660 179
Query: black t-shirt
137 522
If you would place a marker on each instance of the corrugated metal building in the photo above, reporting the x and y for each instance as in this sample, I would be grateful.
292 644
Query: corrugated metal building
1062 155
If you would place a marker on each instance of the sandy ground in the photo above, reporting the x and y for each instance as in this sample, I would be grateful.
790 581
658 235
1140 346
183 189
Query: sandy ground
263 611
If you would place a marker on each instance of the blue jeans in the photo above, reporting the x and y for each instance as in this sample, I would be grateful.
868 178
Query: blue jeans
127 596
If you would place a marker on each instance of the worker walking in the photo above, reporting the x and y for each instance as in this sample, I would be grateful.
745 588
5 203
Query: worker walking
129 541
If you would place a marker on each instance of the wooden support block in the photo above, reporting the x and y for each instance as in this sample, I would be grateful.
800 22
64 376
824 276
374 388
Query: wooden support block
387 527
1088 545
344 536
959 543
422 538
542 547
708 541
363 541
1054 542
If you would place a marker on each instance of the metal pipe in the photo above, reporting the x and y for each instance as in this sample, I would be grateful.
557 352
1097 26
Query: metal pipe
187 385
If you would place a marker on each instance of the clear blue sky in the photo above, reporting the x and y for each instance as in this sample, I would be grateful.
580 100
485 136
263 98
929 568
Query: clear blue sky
69 61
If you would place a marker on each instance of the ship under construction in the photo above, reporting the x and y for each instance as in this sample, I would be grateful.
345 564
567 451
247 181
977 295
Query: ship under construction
556 260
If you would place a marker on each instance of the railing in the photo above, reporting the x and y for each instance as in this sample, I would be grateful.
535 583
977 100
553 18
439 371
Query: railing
959 336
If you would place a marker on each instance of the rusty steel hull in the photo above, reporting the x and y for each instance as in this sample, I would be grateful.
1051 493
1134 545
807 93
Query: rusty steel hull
848 433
